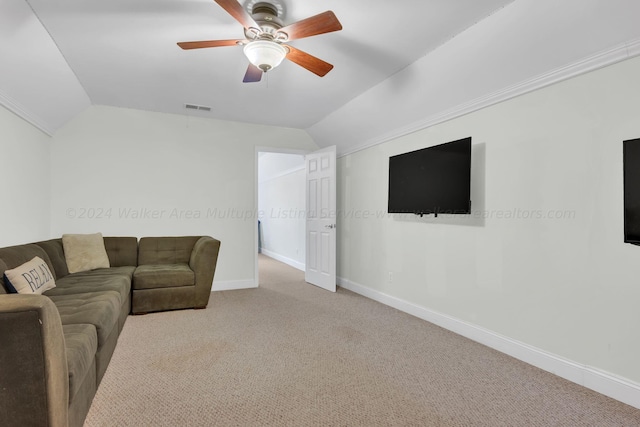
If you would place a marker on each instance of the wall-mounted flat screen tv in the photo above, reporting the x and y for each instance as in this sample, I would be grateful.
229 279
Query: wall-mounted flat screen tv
631 161
432 180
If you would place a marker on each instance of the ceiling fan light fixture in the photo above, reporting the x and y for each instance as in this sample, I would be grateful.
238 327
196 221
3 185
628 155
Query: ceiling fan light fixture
265 54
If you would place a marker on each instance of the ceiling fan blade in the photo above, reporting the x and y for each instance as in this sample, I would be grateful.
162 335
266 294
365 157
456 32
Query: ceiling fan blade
236 10
254 74
208 43
325 22
310 62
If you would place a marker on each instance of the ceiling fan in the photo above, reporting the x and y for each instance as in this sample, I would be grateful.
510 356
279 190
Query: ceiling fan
266 36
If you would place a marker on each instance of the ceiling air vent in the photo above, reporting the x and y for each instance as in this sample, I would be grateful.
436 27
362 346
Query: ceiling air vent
196 107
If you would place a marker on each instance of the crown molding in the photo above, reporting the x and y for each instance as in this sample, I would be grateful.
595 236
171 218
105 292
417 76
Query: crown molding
602 59
22 112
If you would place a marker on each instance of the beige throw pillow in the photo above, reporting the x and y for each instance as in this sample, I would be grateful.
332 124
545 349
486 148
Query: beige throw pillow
32 277
84 252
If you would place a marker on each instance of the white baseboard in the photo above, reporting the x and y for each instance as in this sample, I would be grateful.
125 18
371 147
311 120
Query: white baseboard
293 263
621 389
232 285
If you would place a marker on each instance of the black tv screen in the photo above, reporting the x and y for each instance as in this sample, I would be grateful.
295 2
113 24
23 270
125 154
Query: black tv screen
631 161
432 180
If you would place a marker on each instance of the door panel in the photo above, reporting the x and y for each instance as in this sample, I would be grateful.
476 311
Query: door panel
321 219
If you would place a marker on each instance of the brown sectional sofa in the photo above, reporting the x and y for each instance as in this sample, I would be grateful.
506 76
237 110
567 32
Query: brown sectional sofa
55 347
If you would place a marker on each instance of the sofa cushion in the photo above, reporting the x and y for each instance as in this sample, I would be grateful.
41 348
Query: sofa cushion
32 277
100 309
163 276
55 251
81 343
84 252
79 283
122 251
123 271
166 250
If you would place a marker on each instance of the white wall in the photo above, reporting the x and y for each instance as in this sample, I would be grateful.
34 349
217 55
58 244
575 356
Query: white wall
281 203
130 172
541 260
24 217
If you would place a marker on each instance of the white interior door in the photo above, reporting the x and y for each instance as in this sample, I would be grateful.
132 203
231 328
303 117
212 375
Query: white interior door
320 230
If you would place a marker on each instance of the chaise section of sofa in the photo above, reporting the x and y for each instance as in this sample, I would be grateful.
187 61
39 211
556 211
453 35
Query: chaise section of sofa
174 273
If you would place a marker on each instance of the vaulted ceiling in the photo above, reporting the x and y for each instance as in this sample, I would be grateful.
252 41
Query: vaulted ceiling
397 64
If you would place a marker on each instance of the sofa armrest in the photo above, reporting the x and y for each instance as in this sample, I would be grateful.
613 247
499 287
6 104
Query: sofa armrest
204 258
34 380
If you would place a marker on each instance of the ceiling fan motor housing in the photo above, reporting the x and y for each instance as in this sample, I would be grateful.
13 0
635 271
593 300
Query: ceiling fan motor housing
266 15
264 7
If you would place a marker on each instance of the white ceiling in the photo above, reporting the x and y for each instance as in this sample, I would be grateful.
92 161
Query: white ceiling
124 53
399 65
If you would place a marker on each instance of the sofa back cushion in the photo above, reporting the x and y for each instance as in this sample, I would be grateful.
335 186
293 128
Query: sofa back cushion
54 249
122 251
15 256
166 250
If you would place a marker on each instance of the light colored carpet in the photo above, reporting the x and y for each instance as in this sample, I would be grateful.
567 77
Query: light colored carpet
290 354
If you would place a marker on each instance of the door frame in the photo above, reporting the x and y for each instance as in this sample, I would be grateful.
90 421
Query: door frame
258 150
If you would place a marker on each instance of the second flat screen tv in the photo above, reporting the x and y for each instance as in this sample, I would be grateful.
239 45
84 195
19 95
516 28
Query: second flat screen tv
631 167
432 180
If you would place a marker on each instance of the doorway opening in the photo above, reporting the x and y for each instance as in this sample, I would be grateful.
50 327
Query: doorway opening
280 201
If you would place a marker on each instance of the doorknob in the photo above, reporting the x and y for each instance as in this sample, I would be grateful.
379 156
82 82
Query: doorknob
330 226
